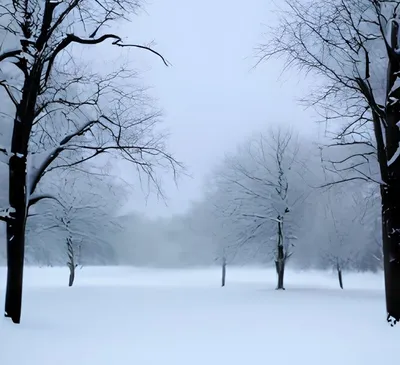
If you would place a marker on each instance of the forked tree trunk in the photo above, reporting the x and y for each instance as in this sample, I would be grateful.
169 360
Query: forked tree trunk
16 237
223 271
391 249
340 276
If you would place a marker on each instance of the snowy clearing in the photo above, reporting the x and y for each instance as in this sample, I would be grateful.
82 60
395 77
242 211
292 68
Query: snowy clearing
143 316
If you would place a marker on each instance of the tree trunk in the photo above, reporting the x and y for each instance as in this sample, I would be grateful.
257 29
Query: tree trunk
340 277
390 190
16 237
391 249
71 262
280 270
18 194
223 271
280 259
71 275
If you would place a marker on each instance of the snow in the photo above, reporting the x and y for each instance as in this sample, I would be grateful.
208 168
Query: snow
142 316
394 157
5 50
396 86
5 213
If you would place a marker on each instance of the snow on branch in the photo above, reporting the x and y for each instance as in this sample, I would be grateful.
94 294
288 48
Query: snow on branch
262 217
9 54
33 199
394 157
5 214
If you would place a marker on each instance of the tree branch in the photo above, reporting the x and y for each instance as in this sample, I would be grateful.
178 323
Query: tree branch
71 38
36 199
56 152
10 54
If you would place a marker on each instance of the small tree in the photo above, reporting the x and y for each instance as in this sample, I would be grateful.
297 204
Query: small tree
258 196
83 216
339 228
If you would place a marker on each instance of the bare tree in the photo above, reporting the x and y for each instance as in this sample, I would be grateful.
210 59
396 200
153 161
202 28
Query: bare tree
86 218
353 46
95 112
340 229
81 221
260 196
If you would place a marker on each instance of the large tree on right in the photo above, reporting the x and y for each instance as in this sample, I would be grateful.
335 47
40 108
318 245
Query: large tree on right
352 47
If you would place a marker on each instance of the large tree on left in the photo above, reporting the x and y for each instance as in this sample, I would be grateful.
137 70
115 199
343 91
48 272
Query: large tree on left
84 114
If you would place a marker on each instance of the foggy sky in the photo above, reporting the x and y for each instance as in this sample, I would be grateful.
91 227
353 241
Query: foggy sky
211 96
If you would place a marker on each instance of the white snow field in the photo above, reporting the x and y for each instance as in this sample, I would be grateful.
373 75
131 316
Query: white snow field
118 316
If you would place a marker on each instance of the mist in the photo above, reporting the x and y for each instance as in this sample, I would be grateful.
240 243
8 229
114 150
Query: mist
212 103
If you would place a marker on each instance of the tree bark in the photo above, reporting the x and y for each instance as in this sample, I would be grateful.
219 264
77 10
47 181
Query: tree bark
71 262
340 277
18 194
391 249
223 271
71 275
280 260
16 237
390 190
280 270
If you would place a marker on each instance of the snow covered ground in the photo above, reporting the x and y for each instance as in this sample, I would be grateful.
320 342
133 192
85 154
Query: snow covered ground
160 317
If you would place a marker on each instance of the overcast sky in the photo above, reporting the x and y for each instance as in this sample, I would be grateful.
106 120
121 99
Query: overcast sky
211 96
